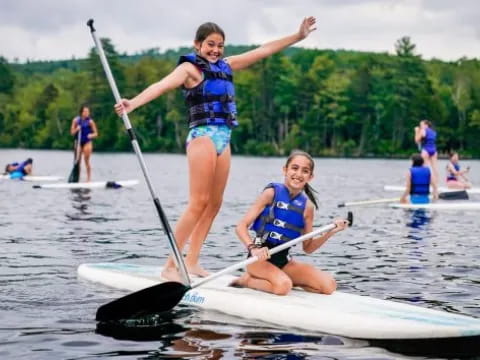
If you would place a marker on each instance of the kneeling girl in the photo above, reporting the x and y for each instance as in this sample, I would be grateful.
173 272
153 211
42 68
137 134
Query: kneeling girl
282 212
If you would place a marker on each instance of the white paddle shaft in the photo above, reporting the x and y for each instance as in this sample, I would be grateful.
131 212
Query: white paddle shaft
275 250
136 147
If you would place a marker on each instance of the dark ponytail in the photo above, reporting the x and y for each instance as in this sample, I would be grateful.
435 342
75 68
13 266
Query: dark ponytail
310 192
308 189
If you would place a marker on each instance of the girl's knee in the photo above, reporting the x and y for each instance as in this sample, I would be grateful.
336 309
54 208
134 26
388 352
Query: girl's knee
282 286
198 205
330 286
215 205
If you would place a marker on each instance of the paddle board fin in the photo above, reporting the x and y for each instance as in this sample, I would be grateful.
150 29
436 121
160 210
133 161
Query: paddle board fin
112 185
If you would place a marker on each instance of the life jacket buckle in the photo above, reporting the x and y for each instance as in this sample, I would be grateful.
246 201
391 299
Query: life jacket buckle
276 236
259 240
282 205
230 119
279 223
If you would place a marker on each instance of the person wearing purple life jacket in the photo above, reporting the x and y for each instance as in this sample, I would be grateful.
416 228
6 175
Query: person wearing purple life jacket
19 170
418 183
456 178
426 137
88 131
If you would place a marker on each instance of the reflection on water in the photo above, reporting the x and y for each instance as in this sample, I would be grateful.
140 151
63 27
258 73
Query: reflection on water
81 202
180 334
419 219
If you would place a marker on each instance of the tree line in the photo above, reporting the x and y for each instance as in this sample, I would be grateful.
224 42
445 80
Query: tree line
329 103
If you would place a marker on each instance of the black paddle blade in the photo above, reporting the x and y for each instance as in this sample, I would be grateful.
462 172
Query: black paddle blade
74 174
350 218
154 299
454 195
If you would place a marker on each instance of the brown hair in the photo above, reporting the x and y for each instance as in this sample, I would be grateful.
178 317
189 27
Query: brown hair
428 122
206 29
309 190
417 160
81 109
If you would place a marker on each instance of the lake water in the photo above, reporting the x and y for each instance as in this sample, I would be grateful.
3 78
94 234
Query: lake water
429 259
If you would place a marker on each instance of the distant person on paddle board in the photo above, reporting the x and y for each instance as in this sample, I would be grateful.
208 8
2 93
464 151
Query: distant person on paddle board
88 131
419 180
283 212
426 137
19 170
206 79
456 178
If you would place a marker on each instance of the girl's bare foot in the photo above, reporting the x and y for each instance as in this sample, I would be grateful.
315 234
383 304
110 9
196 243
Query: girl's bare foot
241 281
197 270
171 274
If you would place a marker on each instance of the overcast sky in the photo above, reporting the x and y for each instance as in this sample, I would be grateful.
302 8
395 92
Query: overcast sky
56 29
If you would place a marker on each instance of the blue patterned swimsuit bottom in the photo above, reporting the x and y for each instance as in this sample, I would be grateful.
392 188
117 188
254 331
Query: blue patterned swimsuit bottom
219 134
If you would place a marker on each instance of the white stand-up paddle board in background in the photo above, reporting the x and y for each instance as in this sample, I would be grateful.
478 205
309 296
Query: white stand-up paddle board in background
32 178
443 205
89 185
474 190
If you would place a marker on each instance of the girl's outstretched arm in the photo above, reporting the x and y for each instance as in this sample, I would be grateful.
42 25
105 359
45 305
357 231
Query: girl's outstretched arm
238 62
172 81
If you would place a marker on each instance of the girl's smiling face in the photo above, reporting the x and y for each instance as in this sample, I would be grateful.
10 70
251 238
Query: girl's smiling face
211 48
298 173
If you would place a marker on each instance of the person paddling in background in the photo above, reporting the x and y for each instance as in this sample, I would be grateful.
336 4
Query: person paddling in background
456 178
426 137
206 79
88 131
19 170
418 183
283 212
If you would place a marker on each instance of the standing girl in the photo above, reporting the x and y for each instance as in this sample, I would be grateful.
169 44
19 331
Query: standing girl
426 137
88 131
207 82
281 213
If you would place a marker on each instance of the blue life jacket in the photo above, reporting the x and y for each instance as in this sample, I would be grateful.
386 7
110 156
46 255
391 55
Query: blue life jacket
429 139
16 174
19 171
282 220
420 180
212 102
85 129
452 176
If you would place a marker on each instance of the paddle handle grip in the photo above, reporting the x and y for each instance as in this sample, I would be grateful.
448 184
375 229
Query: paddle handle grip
273 251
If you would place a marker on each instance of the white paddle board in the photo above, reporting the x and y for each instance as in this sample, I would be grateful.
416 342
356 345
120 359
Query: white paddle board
32 178
343 314
450 205
89 185
474 190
